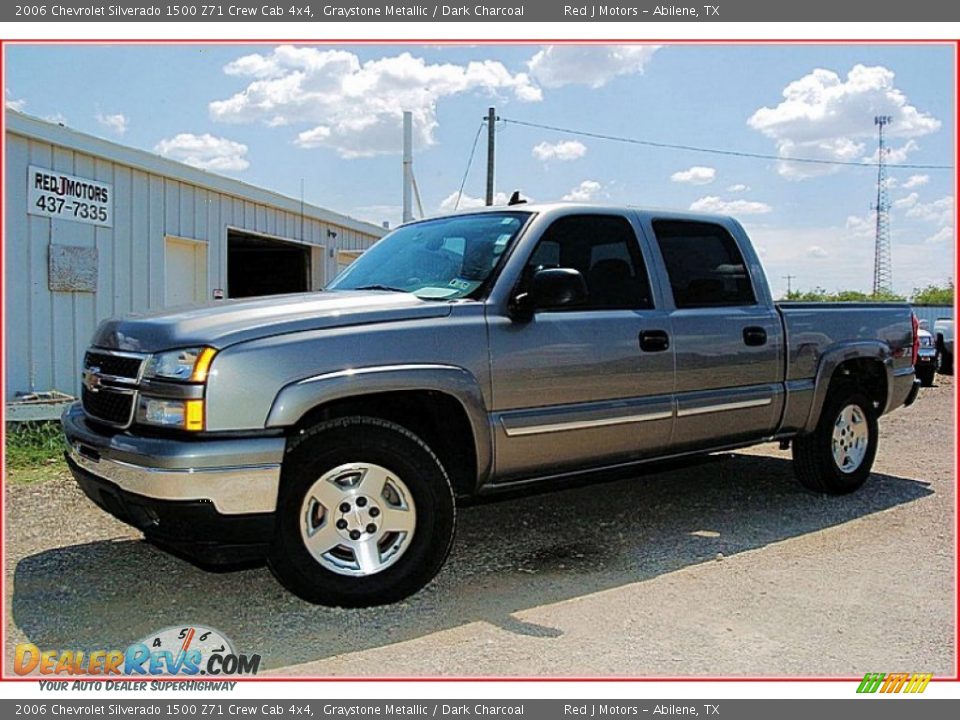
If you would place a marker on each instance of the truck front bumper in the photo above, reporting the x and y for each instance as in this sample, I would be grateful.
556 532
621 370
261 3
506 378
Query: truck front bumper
212 501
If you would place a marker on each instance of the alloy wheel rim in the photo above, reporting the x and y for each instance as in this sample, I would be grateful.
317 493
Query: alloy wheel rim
851 437
358 519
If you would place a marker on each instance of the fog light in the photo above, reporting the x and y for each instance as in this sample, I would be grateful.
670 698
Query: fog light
186 414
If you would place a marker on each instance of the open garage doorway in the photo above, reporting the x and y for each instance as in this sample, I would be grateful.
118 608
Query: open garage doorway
258 265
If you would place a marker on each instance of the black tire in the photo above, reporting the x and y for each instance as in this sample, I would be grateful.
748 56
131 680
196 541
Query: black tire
368 440
926 375
813 461
944 361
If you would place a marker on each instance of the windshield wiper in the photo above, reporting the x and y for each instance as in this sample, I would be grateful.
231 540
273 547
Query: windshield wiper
381 287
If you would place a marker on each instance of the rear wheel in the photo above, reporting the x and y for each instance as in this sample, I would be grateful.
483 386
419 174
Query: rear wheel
365 514
836 457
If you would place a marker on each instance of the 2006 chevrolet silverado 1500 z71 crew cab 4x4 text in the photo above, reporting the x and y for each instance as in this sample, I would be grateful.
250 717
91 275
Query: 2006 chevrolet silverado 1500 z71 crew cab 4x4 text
334 433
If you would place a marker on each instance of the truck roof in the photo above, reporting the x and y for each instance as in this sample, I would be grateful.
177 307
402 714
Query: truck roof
542 207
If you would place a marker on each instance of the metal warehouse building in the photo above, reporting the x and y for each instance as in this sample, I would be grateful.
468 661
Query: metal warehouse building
94 229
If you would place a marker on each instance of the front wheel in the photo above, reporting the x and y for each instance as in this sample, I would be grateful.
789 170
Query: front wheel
926 375
365 514
836 457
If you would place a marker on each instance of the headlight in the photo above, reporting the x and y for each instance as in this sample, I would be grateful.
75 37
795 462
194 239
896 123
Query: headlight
188 364
183 414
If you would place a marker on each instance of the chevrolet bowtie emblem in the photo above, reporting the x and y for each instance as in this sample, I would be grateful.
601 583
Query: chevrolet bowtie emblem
91 379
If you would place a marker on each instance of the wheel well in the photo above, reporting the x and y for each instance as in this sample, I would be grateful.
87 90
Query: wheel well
438 419
867 375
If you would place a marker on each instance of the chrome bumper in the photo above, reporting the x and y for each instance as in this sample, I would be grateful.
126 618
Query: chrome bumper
238 476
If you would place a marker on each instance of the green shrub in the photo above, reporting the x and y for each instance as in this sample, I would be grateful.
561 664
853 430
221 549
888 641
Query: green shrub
33 444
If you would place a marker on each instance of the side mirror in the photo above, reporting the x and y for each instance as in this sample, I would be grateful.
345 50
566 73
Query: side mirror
550 288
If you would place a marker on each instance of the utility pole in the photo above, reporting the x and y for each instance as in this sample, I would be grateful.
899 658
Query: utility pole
789 279
407 166
491 141
882 261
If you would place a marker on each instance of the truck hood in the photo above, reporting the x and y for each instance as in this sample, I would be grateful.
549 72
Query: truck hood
228 322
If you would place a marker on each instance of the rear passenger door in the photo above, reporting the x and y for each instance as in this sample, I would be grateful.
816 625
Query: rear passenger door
580 381
726 333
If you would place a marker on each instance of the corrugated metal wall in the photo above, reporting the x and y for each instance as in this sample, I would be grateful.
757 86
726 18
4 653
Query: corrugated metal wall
931 312
46 331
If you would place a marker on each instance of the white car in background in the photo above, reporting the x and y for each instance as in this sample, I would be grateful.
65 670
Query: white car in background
943 334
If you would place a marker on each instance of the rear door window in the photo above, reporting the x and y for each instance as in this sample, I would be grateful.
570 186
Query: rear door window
704 264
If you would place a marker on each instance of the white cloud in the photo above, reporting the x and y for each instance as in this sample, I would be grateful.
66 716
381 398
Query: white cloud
906 201
57 117
816 252
468 202
738 187
944 234
116 122
17 104
206 152
713 204
916 264
895 156
584 192
824 116
355 107
915 181
563 150
592 65
697 175
939 211
377 214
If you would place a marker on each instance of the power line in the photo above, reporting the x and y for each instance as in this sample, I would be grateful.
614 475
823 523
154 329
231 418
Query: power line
469 163
716 151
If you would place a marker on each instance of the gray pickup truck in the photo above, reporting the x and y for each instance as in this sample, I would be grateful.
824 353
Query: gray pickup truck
334 433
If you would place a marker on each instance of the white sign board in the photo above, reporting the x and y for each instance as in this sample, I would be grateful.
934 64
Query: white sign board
54 194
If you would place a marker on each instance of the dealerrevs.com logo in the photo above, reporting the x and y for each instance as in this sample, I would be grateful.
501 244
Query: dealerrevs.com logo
894 683
180 650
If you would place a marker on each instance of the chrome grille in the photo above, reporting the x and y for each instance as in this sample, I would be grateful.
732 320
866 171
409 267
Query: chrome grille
126 365
110 380
109 406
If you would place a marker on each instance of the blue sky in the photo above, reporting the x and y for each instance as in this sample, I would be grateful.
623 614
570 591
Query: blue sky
271 115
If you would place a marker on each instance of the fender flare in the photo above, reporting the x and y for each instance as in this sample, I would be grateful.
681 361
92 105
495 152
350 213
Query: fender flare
832 359
298 398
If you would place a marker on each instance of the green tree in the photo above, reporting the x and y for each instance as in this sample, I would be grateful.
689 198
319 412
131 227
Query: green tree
819 294
934 294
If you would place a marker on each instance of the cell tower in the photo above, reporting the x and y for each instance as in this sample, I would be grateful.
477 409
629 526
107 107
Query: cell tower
882 262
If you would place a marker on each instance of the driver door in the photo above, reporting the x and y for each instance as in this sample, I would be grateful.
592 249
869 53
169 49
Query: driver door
593 380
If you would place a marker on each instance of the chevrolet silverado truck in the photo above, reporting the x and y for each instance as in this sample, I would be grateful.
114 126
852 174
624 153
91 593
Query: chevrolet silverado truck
335 433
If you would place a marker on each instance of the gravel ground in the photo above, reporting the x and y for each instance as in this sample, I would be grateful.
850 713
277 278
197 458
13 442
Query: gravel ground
726 568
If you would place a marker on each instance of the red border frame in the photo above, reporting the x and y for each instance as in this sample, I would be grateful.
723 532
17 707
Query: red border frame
472 41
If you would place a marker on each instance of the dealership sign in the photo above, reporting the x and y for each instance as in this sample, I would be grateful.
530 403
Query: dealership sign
65 197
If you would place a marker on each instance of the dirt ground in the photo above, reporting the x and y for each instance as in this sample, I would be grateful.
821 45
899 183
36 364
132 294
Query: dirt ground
726 568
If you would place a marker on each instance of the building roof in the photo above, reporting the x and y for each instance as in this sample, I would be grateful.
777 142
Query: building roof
28 126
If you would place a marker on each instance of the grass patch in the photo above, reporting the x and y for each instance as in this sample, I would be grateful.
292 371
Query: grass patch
33 445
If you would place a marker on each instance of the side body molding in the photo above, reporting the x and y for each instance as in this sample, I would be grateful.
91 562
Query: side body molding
296 399
832 359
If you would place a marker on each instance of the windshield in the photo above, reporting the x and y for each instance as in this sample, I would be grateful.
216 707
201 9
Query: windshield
440 259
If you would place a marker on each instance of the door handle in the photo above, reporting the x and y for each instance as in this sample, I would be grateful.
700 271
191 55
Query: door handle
654 340
754 336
